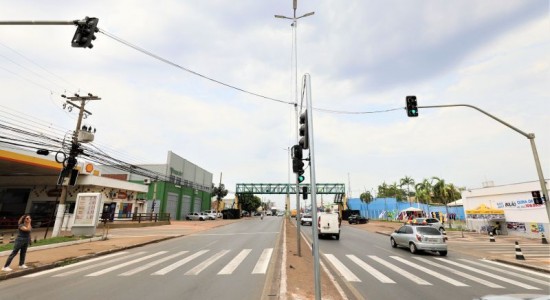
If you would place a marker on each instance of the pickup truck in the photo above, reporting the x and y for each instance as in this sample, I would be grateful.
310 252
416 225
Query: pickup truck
328 224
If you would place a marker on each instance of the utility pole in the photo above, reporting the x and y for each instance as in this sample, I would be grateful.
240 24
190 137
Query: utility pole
70 162
295 29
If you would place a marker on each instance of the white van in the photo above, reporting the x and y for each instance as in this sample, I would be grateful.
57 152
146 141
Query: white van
328 224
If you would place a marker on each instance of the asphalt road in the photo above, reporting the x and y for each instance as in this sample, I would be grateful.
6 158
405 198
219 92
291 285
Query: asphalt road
230 262
370 268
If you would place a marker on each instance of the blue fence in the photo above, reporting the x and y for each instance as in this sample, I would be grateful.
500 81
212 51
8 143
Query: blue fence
379 208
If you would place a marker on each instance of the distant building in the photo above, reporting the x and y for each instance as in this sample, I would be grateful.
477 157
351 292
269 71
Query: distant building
181 187
521 215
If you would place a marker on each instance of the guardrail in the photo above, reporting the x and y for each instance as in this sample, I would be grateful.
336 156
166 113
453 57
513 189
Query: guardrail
151 217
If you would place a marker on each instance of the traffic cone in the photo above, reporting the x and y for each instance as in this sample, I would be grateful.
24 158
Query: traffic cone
491 237
544 241
2 239
519 255
12 239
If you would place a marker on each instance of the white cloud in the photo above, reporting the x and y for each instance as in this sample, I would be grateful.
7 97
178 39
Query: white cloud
362 56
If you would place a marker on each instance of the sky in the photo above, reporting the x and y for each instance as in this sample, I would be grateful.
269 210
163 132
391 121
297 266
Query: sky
364 57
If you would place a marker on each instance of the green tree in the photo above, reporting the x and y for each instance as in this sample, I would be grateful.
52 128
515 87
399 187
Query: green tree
423 191
366 197
445 193
407 181
383 190
219 192
250 202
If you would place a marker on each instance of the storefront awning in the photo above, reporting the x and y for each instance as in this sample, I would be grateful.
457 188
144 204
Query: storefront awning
484 210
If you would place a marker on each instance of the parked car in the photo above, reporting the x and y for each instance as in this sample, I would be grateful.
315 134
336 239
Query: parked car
268 213
196 216
212 215
357 219
418 238
306 219
432 222
280 213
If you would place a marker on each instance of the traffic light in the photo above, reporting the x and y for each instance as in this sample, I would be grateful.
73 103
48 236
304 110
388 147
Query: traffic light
304 134
304 192
412 110
297 163
536 197
85 33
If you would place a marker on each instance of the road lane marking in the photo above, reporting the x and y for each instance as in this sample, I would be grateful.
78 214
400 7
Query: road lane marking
343 270
178 264
196 270
526 286
430 272
110 262
498 269
263 262
75 265
116 267
400 271
151 264
517 268
459 273
234 263
377 274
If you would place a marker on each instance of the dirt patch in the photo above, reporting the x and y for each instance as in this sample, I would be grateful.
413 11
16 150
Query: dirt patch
300 277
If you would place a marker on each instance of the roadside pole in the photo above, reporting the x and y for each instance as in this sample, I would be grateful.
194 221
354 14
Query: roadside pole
313 188
70 162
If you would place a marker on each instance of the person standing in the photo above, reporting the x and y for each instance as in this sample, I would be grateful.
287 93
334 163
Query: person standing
22 242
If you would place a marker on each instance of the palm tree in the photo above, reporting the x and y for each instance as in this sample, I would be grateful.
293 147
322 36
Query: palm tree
408 181
444 192
366 197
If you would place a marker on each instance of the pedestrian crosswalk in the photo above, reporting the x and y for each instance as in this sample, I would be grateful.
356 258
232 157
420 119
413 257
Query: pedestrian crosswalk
429 270
190 263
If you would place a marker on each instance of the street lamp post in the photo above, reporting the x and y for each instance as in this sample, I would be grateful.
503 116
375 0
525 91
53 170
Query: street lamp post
295 28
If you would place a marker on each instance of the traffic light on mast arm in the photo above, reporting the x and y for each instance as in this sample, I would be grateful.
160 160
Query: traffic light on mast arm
304 133
85 33
412 109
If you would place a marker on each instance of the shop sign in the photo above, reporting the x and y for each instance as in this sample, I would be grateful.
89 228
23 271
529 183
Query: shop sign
522 203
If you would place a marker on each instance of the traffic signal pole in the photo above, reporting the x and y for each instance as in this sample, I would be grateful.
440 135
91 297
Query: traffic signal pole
530 136
313 189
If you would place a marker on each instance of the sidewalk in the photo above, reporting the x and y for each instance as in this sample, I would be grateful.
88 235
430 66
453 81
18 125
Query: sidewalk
463 242
50 256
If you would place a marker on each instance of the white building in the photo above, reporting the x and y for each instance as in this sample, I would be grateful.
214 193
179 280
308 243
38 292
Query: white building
522 216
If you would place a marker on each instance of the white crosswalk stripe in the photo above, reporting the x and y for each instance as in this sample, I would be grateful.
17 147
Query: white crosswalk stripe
263 262
547 276
498 269
430 272
119 266
401 271
510 281
377 274
180 263
342 269
110 262
235 262
459 273
152 264
196 270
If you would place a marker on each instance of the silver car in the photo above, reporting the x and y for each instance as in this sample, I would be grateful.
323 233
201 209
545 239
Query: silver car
419 238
